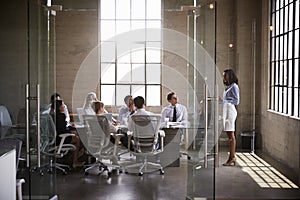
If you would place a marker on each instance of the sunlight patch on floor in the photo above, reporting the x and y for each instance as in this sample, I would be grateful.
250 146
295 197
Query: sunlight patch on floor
263 173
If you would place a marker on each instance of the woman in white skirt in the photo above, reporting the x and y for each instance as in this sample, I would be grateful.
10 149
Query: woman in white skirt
230 101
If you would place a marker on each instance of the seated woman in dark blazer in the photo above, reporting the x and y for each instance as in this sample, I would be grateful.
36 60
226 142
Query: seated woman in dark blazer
59 118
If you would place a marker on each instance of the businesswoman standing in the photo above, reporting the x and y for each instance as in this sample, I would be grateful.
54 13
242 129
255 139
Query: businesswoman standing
230 101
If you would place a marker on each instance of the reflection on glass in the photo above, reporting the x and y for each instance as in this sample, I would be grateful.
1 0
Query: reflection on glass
296 74
138 73
107 9
152 56
108 52
297 43
153 73
123 73
138 90
154 35
138 25
138 53
138 9
107 73
153 100
123 9
107 29
122 91
108 94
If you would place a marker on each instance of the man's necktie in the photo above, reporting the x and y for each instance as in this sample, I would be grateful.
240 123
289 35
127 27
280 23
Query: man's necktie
174 114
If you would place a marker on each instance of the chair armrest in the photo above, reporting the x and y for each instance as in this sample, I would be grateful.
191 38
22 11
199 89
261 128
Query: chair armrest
62 141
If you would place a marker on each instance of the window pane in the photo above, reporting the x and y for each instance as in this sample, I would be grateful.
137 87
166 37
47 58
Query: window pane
138 90
286 19
122 26
280 99
138 73
291 15
276 99
285 75
107 73
290 98
277 23
153 73
296 43
138 53
281 21
290 76
153 9
123 73
139 26
154 35
297 14
153 95
122 91
284 100
296 74
123 9
290 48
138 9
107 9
153 52
108 52
108 94
107 29
123 53
296 102
277 47
285 46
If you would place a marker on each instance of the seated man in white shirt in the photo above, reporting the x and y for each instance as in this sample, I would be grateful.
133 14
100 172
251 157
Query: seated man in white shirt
175 112
126 110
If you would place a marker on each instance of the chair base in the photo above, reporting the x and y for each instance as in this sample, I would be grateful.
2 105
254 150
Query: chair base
143 167
50 166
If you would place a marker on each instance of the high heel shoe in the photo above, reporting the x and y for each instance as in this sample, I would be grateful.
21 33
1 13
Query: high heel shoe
230 162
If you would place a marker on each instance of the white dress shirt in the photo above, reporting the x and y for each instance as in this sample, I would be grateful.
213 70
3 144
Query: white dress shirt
124 113
181 113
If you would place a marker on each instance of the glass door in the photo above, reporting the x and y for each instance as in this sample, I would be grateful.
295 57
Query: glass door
204 80
40 86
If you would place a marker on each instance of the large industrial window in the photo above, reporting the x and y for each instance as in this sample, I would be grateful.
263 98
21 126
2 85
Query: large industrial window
132 65
284 57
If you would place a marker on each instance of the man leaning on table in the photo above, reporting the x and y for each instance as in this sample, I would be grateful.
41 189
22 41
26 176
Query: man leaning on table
174 112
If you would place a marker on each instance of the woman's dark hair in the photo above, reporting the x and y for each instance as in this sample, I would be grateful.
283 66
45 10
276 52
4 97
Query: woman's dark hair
56 105
139 101
232 78
54 96
97 105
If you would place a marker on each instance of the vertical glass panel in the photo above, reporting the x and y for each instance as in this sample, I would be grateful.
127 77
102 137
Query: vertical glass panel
281 3
285 75
138 73
153 95
291 16
108 94
296 74
107 73
296 43
108 52
281 49
138 90
138 53
289 103
138 9
286 19
276 99
153 9
285 41
290 45
281 73
153 72
280 99
297 14
284 103
122 91
290 83
154 35
281 21
277 4
107 29
125 58
277 23
122 9
296 102
277 47
123 73
107 9
122 26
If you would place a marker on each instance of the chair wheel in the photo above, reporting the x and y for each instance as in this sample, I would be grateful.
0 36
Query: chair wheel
141 174
162 172
65 173
86 173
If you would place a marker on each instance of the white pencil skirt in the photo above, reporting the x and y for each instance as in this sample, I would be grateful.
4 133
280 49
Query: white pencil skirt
229 117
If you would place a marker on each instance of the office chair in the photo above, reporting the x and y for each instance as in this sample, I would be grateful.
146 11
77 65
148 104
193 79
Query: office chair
98 144
145 132
49 146
17 145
